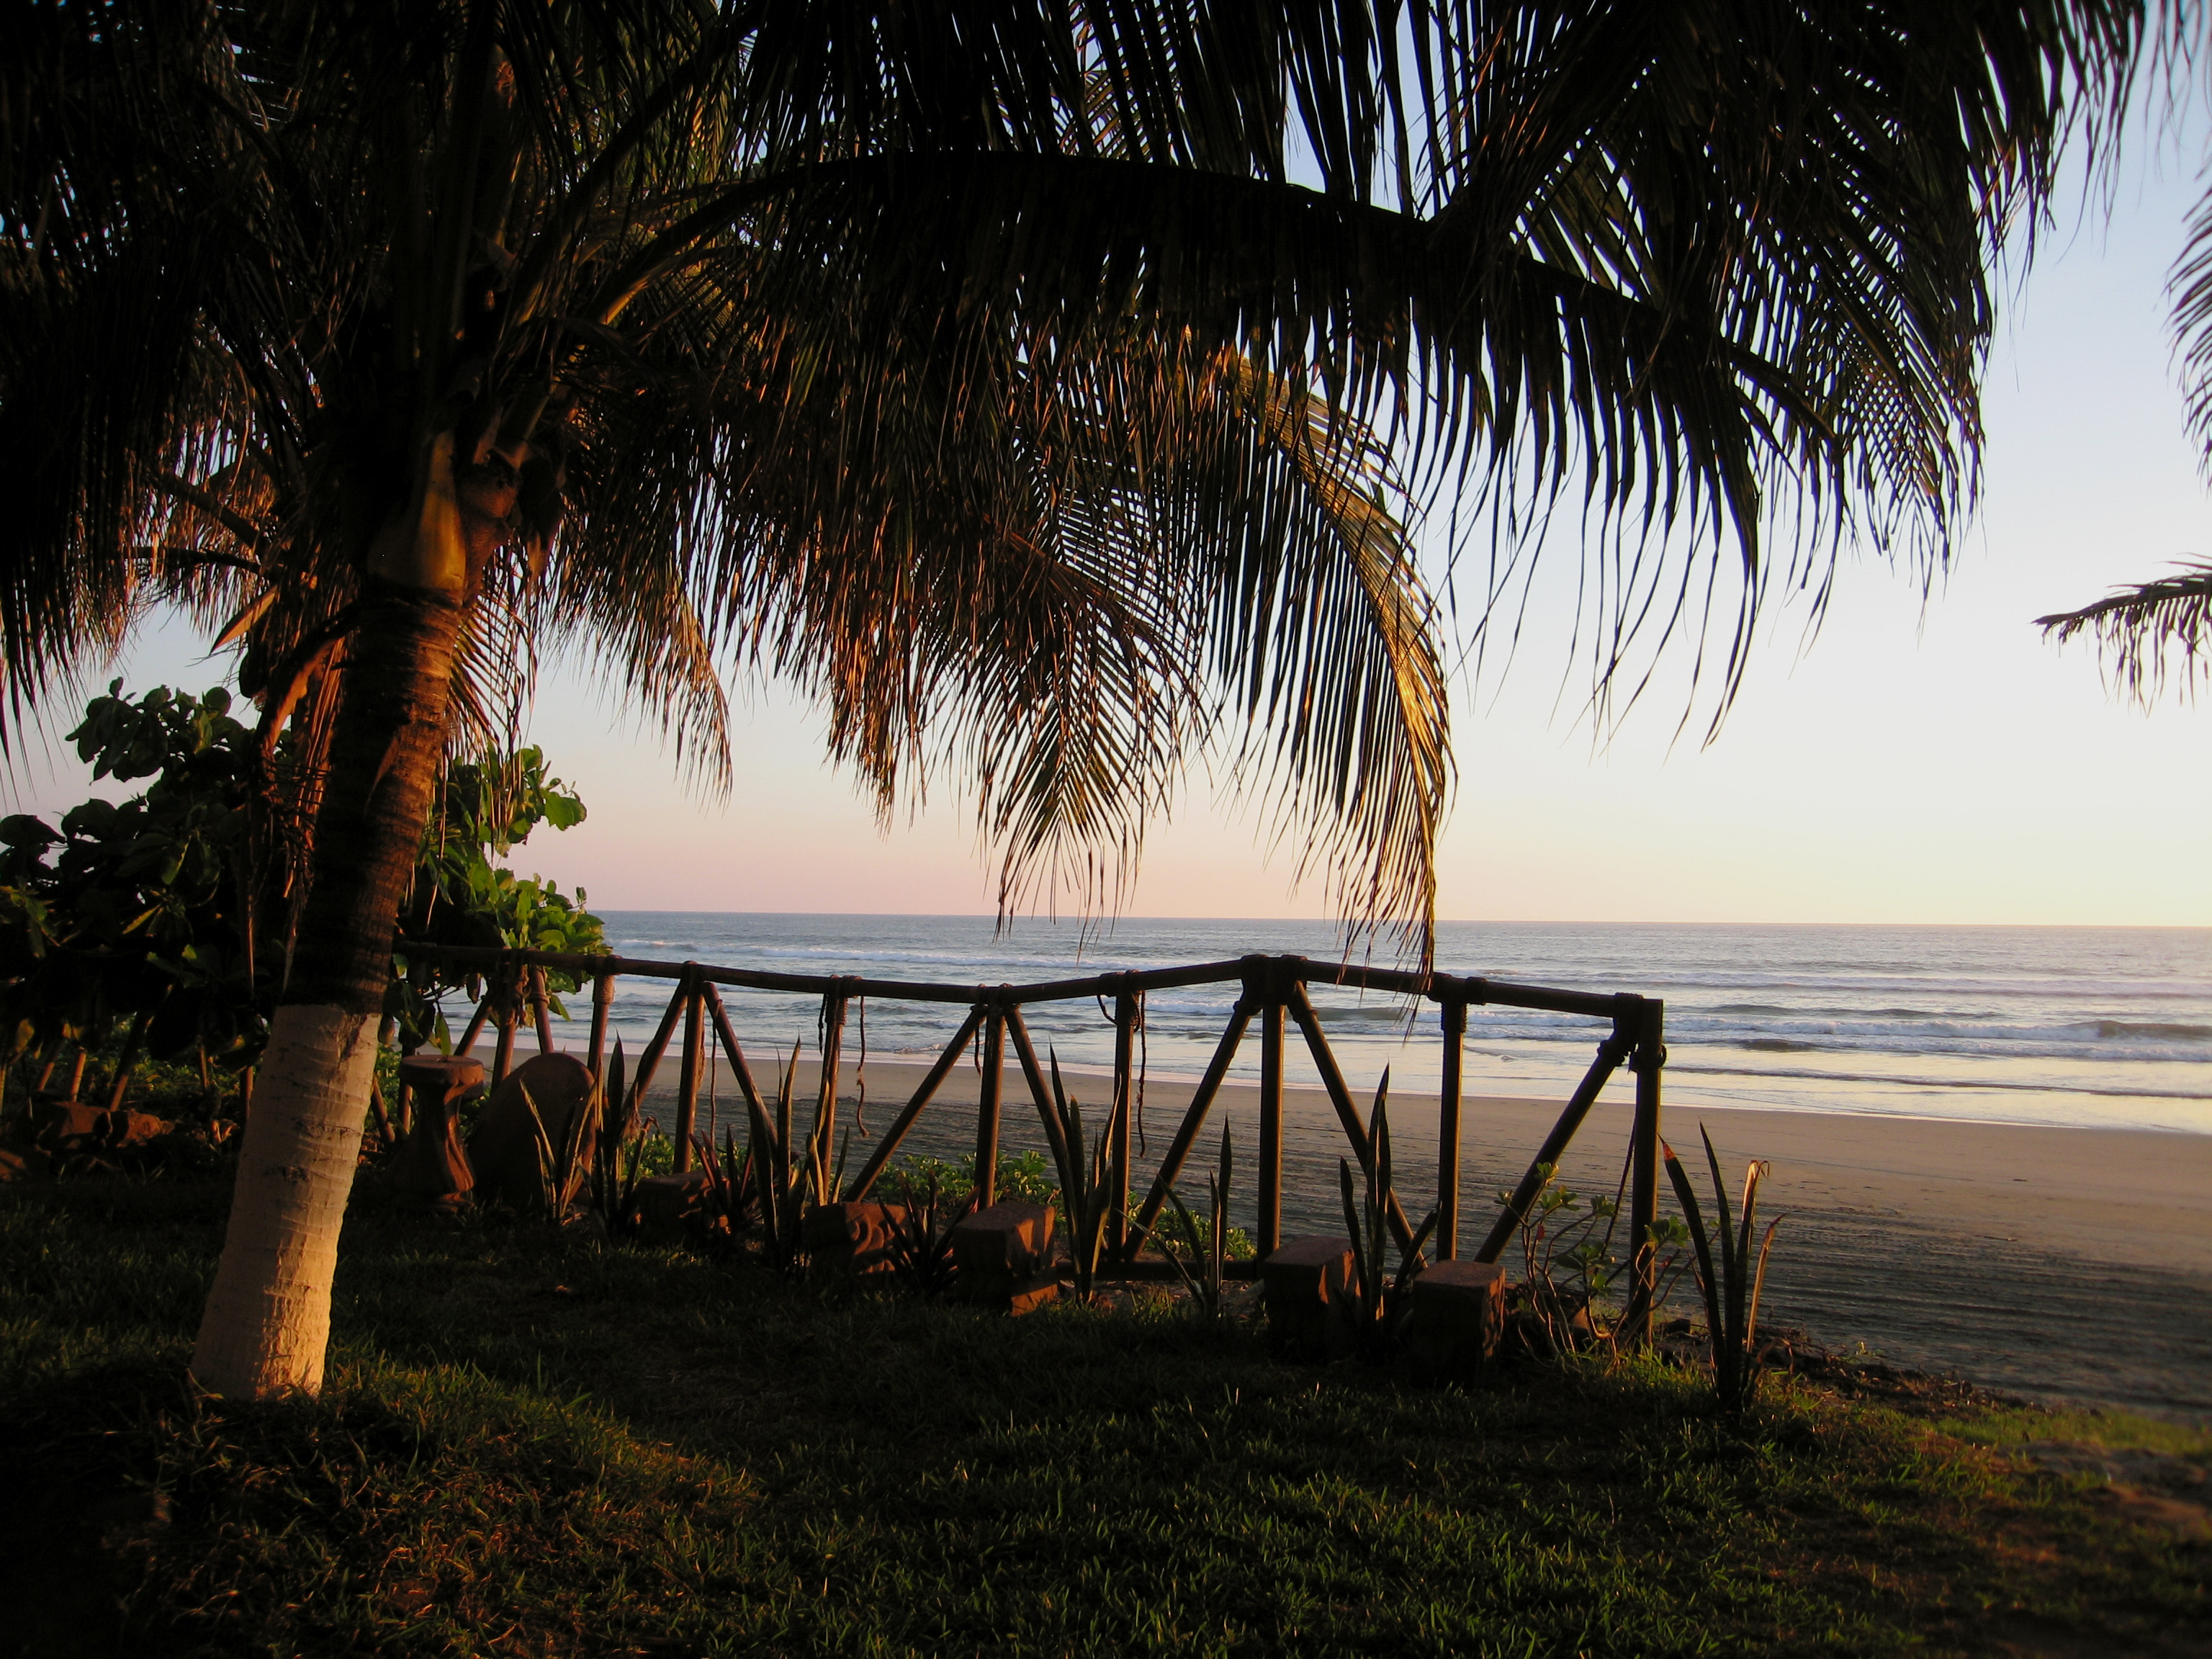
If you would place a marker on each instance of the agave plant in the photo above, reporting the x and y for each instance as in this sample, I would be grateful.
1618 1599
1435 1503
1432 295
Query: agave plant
1204 1251
786 1191
921 1226
1374 1297
617 1152
562 1168
733 1201
1086 1192
1731 1287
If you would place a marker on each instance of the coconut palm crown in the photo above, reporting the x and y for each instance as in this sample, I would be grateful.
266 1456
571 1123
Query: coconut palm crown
1042 385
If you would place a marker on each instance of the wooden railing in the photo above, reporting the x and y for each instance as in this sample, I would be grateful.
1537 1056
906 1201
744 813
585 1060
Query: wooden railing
1272 989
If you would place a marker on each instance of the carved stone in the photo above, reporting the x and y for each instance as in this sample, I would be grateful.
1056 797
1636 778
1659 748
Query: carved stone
502 1149
672 1206
431 1169
846 1241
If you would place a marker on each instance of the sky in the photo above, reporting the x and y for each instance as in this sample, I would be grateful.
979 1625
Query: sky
1933 762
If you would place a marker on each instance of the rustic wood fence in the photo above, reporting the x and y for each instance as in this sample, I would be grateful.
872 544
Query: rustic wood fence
1273 991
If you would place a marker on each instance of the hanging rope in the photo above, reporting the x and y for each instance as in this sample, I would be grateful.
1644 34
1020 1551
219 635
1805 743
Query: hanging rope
860 1076
1144 1060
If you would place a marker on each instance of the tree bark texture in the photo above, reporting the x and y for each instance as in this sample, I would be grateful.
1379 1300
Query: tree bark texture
267 1323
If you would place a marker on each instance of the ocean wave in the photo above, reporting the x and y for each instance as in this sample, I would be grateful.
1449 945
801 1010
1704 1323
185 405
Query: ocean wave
1891 1078
2123 1028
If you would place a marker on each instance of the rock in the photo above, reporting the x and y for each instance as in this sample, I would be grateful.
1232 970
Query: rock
846 1241
503 1150
1303 1279
431 1169
672 1206
1458 1316
1004 1257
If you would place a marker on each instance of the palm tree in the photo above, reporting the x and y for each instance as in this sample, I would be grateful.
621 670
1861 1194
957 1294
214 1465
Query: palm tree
992 374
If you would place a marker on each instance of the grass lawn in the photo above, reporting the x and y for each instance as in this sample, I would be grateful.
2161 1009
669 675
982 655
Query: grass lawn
533 1445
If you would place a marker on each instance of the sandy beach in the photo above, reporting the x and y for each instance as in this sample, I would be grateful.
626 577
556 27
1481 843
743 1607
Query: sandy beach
2067 1264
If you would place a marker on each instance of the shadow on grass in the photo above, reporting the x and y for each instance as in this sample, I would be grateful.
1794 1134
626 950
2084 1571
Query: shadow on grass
533 1445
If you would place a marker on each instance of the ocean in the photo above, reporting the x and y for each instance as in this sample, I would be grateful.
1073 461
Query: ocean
2100 1027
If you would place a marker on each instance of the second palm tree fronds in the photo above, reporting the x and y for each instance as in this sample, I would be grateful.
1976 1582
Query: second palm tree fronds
1731 1280
1377 1292
2145 633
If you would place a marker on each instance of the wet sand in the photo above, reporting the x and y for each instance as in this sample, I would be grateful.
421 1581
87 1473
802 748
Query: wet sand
2064 1264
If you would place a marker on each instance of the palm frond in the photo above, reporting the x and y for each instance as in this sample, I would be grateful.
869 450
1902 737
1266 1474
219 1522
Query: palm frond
2141 632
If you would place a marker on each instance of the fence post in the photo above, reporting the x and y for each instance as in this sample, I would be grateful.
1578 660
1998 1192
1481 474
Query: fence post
1454 1010
986 1108
602 997
687 1085
1269 1227
510 1014
1649 1060
1125 1107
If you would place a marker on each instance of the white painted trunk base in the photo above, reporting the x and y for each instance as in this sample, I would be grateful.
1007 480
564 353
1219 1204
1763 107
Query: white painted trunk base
268 1318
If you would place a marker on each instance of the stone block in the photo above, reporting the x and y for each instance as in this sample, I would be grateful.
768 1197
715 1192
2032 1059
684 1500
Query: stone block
1458 1316
1301 1281
846 1241
1003 1256
1010 1240
671 1206
502 1149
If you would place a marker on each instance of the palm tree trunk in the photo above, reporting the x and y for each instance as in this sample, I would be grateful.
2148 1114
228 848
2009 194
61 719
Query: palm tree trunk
267 1322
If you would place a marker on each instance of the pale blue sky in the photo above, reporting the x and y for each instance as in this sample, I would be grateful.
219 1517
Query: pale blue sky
1937 764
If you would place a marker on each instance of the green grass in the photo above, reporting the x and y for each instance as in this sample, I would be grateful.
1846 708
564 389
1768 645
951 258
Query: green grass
533 1445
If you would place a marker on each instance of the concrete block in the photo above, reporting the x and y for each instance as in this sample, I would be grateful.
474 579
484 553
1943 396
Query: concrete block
1007 1294
1300 1281
848 1241
1010 1240
670 1206
1458 1314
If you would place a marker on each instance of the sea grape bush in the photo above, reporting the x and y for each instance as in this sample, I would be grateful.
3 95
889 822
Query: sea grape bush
142 907
167 906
